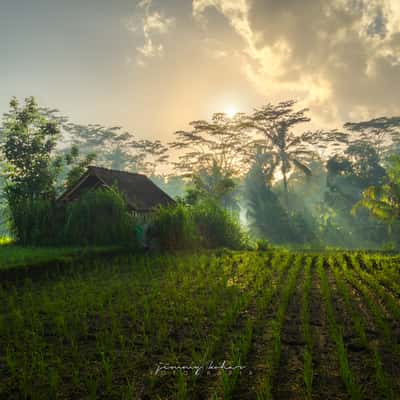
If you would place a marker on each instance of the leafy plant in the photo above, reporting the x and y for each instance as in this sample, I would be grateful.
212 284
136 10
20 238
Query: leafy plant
100 217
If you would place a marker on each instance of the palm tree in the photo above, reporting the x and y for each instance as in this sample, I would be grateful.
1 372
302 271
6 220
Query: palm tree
288 150
383 201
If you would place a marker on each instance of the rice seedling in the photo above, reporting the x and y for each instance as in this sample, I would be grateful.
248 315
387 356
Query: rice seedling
264 390
99 329
306 329
382 380
336 332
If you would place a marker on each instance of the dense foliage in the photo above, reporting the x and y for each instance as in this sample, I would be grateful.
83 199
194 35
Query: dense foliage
100 217
287 186
202 225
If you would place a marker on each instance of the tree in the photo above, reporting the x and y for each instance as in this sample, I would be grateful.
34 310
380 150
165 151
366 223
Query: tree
267 218
348 175
383 201
28 142
213 157
77 166
288 150
209 145
213 185
115 149
381 132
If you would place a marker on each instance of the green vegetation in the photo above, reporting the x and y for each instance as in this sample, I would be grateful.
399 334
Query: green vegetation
287 186
100 218
306 329
19 257
203 225
116 328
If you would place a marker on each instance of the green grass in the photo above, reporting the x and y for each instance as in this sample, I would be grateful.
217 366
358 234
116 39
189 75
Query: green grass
12 256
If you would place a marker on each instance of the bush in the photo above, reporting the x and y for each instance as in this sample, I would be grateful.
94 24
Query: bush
216 226
262 245
203 225
35 221
173 228
100 217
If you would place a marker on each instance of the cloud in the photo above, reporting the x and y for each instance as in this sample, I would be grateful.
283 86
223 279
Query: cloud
152 26
342 57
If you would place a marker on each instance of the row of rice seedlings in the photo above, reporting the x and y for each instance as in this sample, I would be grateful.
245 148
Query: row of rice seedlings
336 333
208 305
387 303
308 373
359 327
264 390
241 344
254 266
241 283
63 325
248 272
374 308
390 302
386 267
110 331
386 271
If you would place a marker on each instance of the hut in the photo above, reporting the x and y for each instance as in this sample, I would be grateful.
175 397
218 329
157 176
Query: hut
142 195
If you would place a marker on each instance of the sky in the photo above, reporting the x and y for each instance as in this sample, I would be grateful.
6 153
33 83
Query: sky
151 66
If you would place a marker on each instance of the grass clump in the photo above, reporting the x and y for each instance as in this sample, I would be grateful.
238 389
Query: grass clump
203 225
99 218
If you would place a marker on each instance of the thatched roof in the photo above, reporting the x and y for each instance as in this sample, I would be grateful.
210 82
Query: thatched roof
140 192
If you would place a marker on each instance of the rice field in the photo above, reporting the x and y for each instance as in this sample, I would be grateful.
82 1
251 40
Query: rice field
219 325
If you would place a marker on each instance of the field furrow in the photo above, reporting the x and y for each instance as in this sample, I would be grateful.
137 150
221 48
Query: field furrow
214 325
326 364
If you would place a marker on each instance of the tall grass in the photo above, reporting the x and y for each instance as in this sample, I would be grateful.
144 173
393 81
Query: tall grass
173 228
99 218
36 221
203 225
217 227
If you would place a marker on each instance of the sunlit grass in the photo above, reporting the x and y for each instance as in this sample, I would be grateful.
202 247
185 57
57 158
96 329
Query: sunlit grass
6 240
12 256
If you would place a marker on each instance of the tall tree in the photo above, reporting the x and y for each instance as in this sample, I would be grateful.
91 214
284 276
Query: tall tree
288 150
383 201
381 133
211 144
267 218
28 142
213 156
117 150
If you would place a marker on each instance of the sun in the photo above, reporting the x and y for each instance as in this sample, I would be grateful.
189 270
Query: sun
231 111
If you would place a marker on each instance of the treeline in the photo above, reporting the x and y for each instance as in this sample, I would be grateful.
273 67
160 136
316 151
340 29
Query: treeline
287 184
335 187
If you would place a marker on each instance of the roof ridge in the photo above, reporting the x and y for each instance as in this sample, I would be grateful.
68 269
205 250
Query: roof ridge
115 170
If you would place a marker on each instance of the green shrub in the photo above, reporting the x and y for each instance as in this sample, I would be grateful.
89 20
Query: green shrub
203 225
100 217
262 245
216 226
35 221
173 228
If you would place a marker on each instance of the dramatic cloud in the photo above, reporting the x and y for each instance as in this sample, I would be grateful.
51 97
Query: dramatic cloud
341 57
152 66
153 24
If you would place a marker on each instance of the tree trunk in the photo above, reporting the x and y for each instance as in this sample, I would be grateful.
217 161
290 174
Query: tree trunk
285 190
